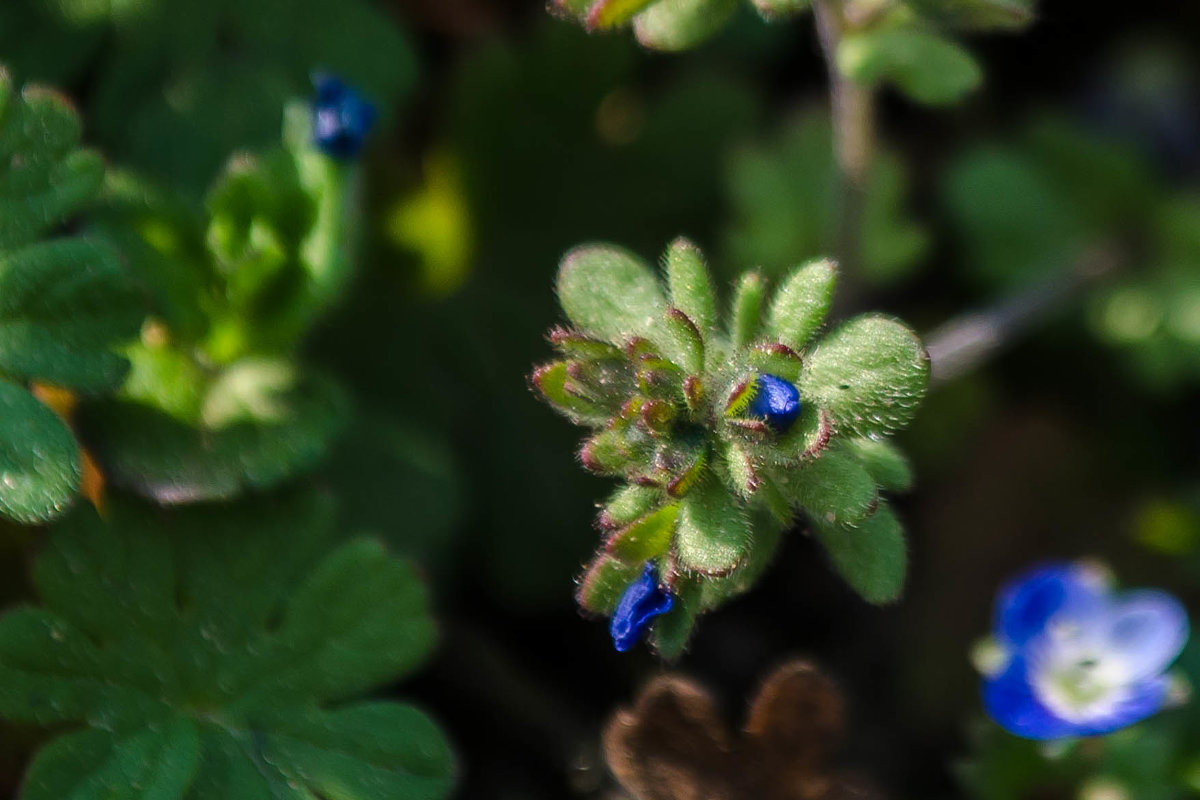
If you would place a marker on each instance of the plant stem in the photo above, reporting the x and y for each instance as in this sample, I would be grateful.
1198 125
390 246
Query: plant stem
853 134
962 344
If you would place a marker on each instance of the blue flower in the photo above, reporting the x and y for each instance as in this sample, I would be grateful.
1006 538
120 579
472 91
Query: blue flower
1075 658
341 118
775 400
642 601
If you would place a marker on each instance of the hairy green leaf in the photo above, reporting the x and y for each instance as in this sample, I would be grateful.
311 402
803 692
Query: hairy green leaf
801 303
713 532
610 293
611 13
690 284
746 315
672 630
204 651
887 465
872 556
606 579
868 375
645 538
833 487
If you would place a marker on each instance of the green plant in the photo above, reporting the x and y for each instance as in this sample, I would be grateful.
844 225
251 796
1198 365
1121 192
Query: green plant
64 300
722 432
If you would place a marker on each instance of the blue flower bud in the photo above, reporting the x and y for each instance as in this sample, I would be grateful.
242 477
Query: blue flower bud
341 118
776 401
642 601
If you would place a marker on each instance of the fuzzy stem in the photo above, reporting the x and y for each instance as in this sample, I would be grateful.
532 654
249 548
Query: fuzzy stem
853 134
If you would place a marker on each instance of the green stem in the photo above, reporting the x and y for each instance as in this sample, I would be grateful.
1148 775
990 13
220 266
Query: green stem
853 134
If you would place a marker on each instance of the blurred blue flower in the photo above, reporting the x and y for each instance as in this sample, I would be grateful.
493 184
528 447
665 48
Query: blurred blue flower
642 601
775 400
341 117
1071 657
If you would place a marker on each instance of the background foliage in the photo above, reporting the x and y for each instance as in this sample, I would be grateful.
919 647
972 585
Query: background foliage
1078 154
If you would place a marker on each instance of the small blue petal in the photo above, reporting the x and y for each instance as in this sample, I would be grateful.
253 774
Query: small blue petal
775 400
1010 701
643 600
1147 630
1028 602
341 118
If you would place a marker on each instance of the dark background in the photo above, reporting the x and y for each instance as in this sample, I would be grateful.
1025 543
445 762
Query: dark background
1058 447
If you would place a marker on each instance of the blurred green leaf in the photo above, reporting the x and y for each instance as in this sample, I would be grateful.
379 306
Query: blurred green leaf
785 208
676 25
65 303
611 13
1016 224
266 424
925 66
399 482
774 9
975 14
202 654
869 375
40 465
182 83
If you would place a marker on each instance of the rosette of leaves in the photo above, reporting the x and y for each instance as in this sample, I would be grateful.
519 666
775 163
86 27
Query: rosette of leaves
216 402
906 44
65 302
708 482
218 652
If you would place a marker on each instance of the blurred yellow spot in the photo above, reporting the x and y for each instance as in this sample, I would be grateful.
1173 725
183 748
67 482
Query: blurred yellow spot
62 402
1104 789
154 333
1167 527
434 224
1184 320
619 117
1130 315
1190 775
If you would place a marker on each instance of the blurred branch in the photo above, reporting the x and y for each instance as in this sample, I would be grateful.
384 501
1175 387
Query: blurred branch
853 132
962 344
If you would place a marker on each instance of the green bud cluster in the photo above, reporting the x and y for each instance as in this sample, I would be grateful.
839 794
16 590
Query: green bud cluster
709 482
